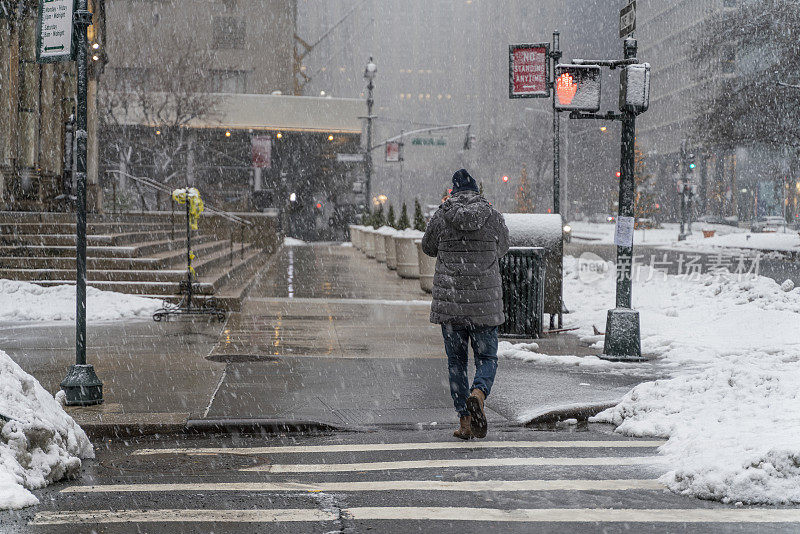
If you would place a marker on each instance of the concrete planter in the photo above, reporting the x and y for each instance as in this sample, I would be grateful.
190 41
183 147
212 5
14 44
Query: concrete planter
355 235
407 256
360 233
427 268
391 253
380 248
369 242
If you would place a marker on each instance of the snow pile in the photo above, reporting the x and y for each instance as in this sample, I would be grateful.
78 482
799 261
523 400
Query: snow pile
729 346
666 235
23 301
386 230
410 232
782 241
533 229
527 352
293 242
39 443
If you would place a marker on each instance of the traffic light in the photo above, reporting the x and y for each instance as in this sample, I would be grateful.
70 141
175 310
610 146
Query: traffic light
618 174
634 88
578 88
505 179
691 163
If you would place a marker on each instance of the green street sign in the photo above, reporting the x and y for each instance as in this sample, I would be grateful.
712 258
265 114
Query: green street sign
54 31
428 141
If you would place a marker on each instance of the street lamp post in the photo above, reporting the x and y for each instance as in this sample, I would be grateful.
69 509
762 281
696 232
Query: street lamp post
81 385
369 74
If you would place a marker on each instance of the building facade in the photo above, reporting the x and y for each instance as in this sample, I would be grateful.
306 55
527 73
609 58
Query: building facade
243 46
37 102
742 182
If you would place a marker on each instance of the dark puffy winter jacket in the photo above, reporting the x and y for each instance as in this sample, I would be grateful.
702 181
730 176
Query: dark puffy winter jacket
468 237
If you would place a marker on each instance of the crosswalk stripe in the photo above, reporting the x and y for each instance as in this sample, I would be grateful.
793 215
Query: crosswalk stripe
369 447
88 517
384 485
460 462
542 515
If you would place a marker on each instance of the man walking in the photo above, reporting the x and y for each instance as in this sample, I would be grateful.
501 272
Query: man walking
468 237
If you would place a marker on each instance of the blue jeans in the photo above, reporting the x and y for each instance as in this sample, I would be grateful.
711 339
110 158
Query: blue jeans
484 349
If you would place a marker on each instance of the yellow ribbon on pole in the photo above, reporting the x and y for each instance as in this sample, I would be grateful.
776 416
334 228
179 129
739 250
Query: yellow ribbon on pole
192 195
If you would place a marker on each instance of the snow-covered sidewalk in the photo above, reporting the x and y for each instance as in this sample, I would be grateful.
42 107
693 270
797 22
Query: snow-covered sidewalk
23 301
728 399
726 239
39 443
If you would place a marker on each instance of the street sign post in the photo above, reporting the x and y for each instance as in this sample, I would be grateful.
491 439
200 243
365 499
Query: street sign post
627 20
529 71
54 31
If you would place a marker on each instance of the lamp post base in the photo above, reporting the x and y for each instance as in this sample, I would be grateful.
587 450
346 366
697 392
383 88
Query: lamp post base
623 340
82 387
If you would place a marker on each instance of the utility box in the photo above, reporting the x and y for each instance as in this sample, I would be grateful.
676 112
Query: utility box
634 88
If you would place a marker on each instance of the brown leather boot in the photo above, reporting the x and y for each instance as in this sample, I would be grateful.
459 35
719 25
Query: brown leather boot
464 431
478 425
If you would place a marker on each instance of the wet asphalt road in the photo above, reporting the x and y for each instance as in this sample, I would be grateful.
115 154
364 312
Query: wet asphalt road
332 483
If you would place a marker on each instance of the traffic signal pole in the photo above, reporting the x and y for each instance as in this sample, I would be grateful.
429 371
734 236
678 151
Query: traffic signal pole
623 340
555 55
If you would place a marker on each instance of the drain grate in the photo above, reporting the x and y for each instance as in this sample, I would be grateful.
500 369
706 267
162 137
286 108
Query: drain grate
243 358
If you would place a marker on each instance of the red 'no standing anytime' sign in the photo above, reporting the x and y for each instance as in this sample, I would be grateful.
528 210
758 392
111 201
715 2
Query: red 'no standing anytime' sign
529 70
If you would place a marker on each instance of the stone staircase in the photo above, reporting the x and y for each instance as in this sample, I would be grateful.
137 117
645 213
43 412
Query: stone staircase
142 254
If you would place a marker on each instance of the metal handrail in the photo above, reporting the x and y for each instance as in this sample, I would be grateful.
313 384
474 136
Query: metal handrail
149 182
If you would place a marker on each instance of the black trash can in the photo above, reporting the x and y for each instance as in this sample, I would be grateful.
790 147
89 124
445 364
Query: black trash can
523 273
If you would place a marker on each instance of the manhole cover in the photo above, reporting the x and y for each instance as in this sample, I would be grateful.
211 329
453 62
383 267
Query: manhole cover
242 358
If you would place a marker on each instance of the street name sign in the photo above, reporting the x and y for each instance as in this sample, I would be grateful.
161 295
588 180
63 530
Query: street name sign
627 19
529 70
54 31
349 158
429 141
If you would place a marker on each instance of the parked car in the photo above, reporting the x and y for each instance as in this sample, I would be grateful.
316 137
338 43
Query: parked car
768 224
717 219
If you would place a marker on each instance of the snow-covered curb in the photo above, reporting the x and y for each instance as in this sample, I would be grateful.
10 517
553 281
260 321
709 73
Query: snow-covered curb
729 350
26 302
39 443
